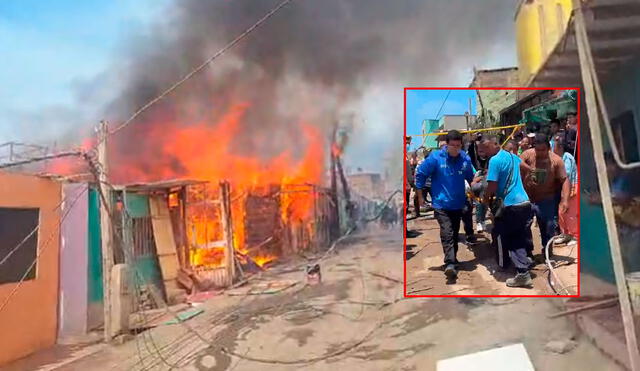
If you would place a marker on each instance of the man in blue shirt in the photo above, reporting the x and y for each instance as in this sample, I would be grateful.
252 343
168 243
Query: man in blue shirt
448 169
512 212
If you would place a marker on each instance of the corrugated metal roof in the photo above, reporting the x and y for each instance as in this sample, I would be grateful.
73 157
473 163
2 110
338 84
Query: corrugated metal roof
613 27
162 184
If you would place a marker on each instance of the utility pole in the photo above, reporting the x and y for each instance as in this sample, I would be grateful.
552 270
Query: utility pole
466 116
106 228
470 116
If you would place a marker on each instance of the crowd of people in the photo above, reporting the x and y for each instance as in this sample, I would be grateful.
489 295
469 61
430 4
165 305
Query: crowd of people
530 175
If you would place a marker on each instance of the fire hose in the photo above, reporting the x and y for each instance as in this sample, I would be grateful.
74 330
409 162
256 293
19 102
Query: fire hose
552 271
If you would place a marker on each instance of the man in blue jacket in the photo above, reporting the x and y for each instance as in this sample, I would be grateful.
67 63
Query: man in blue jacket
448 169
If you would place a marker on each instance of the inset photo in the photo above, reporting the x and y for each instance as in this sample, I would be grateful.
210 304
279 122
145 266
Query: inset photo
491 192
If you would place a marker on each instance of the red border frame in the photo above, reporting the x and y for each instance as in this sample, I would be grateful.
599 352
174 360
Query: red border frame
404 172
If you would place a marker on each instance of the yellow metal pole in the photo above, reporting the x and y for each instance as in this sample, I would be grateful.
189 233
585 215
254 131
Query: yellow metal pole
470 131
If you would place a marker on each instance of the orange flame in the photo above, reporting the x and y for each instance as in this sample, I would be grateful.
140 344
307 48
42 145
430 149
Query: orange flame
204 151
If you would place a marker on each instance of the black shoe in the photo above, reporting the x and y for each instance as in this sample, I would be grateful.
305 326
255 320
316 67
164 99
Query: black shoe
472 239
542 259
520 280
450 272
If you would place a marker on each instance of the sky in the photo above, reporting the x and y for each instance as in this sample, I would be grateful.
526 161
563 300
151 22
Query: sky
425 104
48 48
60 67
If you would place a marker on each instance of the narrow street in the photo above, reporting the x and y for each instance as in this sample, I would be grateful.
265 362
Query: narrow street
478 274
356 319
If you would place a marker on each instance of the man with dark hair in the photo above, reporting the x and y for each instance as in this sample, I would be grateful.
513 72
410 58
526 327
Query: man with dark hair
571 134
511 146
448 169
512 211
546 182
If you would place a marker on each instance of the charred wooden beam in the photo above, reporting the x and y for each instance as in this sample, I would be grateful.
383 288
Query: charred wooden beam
227 225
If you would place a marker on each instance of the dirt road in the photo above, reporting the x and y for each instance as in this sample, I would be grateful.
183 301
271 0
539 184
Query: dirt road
356 319
478 272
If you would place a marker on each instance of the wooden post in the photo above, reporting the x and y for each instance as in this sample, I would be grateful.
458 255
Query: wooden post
227 226
315 217
186 257
591 87
106 228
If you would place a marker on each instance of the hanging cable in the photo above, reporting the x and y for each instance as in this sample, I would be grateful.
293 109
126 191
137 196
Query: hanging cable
443 102
40 251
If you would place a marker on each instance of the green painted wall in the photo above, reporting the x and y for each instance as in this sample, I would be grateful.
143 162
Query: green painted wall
148 270
431 126
595 256
95 253
137 205
622 93
146 266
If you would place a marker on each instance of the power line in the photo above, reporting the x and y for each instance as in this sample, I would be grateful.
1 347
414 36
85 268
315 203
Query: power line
33 231
42 158
202 66
443 102
40 251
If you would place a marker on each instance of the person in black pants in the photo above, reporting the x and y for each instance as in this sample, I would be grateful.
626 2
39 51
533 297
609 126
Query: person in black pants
467 222
512 211
448 168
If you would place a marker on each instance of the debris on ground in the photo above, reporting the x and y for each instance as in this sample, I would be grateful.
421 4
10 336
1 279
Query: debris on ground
594 305
386 277
183 316
200 297
153 317
314 276
262 288
560 346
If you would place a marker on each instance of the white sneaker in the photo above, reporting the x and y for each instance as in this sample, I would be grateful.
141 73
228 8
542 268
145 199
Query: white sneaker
480 227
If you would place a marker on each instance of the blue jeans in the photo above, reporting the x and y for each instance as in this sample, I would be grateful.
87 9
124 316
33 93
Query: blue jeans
546 212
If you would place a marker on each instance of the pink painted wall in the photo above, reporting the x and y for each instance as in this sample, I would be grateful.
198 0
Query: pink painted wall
74 240
29 322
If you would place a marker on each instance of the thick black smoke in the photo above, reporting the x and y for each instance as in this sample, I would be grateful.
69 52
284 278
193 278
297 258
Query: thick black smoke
313 60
